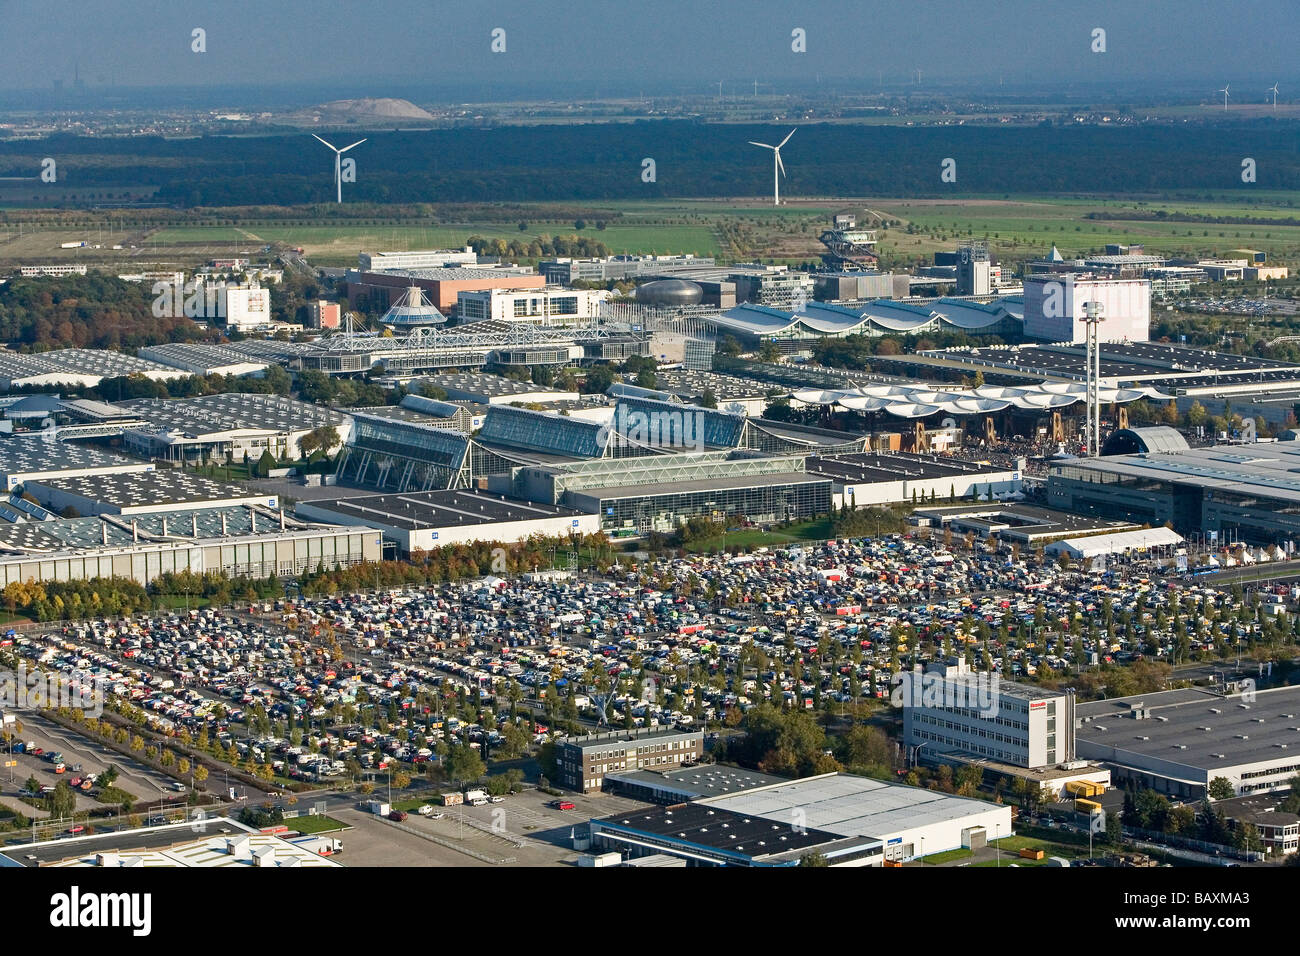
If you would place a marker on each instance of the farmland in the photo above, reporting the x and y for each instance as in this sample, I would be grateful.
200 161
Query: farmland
731 229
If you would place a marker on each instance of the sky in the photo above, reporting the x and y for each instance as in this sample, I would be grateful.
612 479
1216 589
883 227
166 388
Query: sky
655 47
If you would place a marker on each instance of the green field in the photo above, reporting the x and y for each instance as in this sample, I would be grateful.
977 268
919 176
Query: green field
1011 847
934 859
309 825
818 530
737 229
342 242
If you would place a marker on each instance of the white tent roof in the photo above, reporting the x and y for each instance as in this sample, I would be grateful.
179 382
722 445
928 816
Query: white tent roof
1118 543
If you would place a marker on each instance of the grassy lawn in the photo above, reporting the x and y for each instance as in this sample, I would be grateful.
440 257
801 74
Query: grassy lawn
1011 846
343 241
818 529
310 825
1016 225
410 806
948 856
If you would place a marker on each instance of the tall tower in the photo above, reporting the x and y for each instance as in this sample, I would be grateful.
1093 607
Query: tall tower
1092 317
974 270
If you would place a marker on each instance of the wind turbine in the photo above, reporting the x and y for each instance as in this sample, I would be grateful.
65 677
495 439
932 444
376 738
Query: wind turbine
1224 91
778 167
338 163
1273 89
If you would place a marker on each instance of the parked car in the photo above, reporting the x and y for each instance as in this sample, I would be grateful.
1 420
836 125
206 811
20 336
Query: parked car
397 815
561 805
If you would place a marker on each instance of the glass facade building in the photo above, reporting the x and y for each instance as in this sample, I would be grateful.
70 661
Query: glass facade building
404 456
662 507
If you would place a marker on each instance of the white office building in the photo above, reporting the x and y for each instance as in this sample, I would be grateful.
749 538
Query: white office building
549 306
1054 308
949 710
416 259
245 307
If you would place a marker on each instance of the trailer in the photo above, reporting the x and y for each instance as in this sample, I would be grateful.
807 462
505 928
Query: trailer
320 845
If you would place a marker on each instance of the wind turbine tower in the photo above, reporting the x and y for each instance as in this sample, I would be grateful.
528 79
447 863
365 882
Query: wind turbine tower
778 168
338 163
1224 91
1273 89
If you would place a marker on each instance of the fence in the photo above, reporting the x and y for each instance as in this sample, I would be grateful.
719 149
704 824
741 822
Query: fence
1200 846
449 844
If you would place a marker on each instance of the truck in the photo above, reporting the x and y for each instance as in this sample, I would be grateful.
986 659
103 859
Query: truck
452 799
378 807
321 845
476 798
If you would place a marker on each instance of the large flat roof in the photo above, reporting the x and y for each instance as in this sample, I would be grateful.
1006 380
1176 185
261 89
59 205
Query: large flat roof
173 845
1265 469
895 467
702 780
417 510
701 484
1018 520
230 412
136 489
113 531
21 455
1195 727
720 829
848 805
1126 361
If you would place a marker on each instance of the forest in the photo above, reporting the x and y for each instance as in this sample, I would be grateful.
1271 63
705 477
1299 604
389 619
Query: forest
586 162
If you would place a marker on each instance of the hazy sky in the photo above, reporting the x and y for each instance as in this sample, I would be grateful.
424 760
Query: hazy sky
389 47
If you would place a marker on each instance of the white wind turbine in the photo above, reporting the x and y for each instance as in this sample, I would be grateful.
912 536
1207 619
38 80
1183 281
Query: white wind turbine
338 163
1224 91
1273 89
778 168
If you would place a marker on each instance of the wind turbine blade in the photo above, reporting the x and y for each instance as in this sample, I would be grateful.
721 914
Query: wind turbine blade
330 145
764 145
787 138
780 164
346 148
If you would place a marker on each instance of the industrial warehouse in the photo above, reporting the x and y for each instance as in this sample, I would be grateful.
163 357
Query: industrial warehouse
1176 742
1244 493
849 820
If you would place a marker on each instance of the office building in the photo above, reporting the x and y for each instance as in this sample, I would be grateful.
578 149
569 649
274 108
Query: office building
441 285
949 709
547 306
416 259
582 762
1054 308
974 270
323 315
244 307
